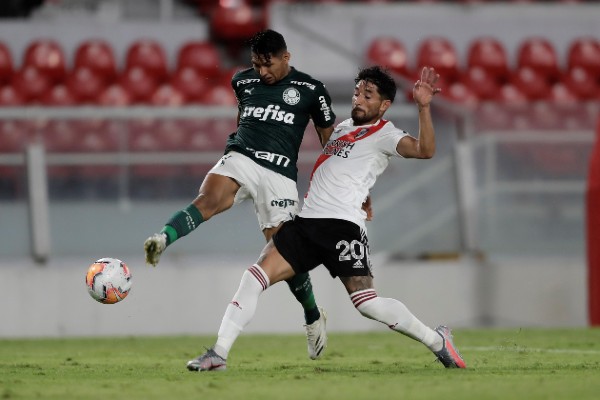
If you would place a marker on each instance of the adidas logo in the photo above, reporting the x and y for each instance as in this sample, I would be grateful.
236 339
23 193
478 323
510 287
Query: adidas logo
357 264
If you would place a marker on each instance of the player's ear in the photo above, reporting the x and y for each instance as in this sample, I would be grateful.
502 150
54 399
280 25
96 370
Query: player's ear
287 56
385 104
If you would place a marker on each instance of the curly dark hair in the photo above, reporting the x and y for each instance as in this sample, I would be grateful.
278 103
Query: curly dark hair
380 77
266 43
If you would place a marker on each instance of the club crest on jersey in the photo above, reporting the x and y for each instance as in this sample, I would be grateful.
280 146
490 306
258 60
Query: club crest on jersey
291 96
362 133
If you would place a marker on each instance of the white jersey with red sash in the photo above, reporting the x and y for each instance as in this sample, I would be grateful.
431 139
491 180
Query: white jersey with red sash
344 173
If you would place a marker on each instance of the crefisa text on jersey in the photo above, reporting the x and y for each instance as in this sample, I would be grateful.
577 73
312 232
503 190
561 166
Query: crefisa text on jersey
271 110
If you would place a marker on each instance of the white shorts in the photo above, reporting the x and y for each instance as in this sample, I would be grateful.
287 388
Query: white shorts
275 196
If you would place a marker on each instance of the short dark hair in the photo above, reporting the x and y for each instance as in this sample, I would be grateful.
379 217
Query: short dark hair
266 43
380 77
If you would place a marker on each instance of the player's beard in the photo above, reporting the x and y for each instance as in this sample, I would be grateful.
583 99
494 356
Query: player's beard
361 117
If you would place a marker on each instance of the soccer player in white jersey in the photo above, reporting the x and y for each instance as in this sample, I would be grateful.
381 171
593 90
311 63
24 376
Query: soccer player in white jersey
330 228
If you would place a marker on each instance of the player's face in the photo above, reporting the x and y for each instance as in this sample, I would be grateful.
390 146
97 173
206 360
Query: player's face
367 105
273 69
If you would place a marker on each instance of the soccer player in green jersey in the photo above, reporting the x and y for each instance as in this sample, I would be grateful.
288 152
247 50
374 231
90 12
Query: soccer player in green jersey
275 104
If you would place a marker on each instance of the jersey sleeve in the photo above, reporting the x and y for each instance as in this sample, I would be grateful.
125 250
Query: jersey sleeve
321 111
389 140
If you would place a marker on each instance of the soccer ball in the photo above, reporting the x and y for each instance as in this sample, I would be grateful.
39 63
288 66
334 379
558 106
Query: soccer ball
108 280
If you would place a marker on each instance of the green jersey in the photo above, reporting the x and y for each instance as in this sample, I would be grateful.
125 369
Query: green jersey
273 118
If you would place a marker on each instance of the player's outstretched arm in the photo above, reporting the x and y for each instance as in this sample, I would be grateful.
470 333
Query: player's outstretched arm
423 92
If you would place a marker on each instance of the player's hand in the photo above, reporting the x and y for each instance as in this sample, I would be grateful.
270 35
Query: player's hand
366 206
424 88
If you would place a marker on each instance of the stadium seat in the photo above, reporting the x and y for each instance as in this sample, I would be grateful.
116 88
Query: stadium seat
480 81
9 96
144 137
14 136
531 82
460 93
167 95
30 83
585 53
98 56
489 54
85 84
228 73
48 57
149 55
61 136
220 95
6 64
236 22
491 116
539 54
172 135
114 96
201 56
189 82
390 53
439 53
59 95
138 83
511 96
582 83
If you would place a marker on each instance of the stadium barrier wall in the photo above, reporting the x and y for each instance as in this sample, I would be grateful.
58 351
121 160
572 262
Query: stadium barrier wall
188 295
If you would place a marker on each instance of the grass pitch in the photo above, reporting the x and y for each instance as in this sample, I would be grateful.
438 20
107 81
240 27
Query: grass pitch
502 364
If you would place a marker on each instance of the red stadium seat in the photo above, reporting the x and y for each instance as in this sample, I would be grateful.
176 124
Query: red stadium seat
59 95
581 82
539 55
219 95
10 97
228 73
236 22
201 56
98 56
489 54
14 136
390 53
31 83
439 53
61 136
460 93
167 95
85 84
144 137
585 53
491 116
189 82
172 135
114 96
481 82
6 64
138 83
531 82
48 57
149 55
511 96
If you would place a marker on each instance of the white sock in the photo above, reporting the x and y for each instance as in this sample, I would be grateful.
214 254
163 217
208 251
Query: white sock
241 309
396 316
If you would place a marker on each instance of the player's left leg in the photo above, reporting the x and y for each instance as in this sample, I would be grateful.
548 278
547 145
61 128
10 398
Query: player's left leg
242 307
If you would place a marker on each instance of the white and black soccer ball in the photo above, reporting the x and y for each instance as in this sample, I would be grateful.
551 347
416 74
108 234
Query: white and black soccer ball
108 280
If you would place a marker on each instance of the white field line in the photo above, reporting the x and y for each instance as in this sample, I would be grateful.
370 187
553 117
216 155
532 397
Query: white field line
519 349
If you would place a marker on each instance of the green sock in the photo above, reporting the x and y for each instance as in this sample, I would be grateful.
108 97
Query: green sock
182 223
301 288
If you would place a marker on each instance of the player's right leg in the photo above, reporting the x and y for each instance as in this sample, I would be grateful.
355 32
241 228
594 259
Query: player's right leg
216 194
